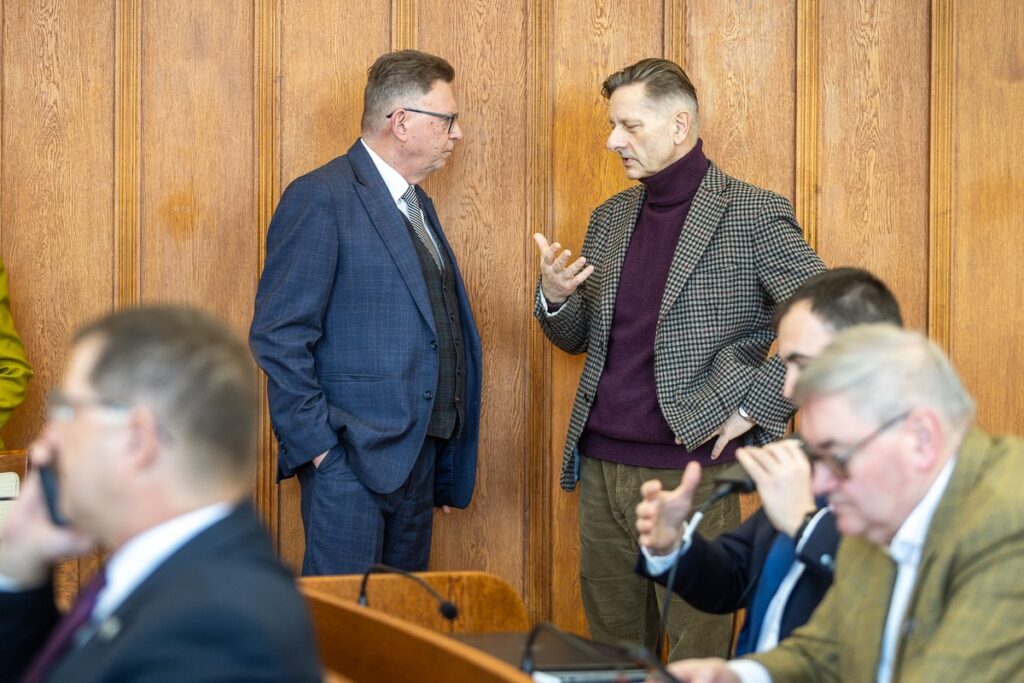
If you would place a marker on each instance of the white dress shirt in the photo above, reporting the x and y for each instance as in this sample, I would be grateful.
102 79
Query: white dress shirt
397 185
905 549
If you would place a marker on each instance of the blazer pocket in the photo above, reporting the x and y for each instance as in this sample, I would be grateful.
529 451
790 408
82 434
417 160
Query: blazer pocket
350 377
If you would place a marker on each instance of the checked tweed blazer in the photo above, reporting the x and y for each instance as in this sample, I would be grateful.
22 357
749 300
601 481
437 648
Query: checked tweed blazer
965 618
740 253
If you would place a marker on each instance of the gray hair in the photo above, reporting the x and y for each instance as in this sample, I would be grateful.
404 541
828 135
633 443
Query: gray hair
193 373
884 371
395 80
662 79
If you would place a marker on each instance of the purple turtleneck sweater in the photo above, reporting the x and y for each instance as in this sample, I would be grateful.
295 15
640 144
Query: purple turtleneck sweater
626 424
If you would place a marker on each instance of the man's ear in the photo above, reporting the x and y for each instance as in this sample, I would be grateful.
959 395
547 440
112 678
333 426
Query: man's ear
398 124
144 437
681 126
929 435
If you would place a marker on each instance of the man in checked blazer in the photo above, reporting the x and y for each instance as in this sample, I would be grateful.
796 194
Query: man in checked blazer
672 302
363 327
928 575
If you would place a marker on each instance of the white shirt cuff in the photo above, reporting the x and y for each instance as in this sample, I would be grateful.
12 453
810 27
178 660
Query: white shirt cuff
809 529
749 671
658 564
547 311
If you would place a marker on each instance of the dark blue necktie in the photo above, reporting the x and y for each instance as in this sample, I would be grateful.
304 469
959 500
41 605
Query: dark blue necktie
776 565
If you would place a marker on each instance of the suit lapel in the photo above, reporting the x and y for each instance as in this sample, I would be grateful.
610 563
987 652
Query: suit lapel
387 220
866 625
705 214
927 598
623 221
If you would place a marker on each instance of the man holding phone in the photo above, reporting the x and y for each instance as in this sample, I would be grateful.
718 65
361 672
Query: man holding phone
151 440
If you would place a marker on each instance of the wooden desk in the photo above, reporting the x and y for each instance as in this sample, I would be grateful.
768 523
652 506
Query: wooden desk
486 603
365 645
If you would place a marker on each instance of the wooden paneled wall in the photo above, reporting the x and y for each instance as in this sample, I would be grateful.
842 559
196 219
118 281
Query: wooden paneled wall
145 144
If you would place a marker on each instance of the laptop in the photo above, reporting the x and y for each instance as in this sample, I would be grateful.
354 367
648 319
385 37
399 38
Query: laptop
561 657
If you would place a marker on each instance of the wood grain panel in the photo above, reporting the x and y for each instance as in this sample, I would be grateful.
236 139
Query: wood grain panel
325 49
988 202
57 180
745 87
940 194
591 40
479 196
808 91
199 243
538 212
874 143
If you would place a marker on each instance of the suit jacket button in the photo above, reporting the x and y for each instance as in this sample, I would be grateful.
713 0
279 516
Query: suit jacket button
433 343
428 395
826 560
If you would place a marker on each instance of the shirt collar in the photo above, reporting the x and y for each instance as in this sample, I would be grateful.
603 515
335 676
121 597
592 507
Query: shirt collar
138 558
906 545
397 185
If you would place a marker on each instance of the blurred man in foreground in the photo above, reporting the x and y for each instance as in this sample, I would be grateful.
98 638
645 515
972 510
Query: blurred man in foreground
151 439
927 582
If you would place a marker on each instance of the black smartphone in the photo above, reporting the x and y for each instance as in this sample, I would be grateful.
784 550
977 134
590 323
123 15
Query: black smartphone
51 493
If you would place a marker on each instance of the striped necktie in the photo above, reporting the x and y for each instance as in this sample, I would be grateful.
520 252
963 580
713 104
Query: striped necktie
416 220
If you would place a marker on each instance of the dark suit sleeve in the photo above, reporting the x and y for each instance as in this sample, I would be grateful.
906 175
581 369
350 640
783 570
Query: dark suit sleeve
783 261
818 551
714 575
291 302
26 619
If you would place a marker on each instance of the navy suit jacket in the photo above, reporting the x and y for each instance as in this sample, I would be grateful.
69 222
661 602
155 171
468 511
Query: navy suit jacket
720 575
344 331
221 608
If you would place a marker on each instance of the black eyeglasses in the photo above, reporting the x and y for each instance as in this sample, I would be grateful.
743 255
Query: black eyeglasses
62 408
838 464
450 118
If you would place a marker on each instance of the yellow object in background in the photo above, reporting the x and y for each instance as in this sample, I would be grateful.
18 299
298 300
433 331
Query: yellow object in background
15 371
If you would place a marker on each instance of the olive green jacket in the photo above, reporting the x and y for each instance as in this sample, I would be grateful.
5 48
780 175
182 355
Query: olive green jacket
15 371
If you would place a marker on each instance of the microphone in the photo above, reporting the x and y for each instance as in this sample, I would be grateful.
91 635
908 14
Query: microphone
733 480
736 479
638 655
447 609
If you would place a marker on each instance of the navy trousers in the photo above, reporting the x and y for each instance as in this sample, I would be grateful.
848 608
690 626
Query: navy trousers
348 527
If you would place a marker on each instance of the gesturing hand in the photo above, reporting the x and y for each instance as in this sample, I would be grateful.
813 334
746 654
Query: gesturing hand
660 515
558 280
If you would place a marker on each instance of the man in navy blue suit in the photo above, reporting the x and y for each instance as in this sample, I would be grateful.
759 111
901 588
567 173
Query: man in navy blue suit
778 564
364 329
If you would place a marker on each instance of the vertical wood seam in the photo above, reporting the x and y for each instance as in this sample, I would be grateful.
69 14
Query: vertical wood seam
674 22
940 185
265 47
127 130
403 24
807 113
539 212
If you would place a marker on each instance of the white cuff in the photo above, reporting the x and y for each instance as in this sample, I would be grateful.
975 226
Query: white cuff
547 311
749 671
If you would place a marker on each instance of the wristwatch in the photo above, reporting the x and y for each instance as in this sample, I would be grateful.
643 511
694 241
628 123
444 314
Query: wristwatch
742 412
